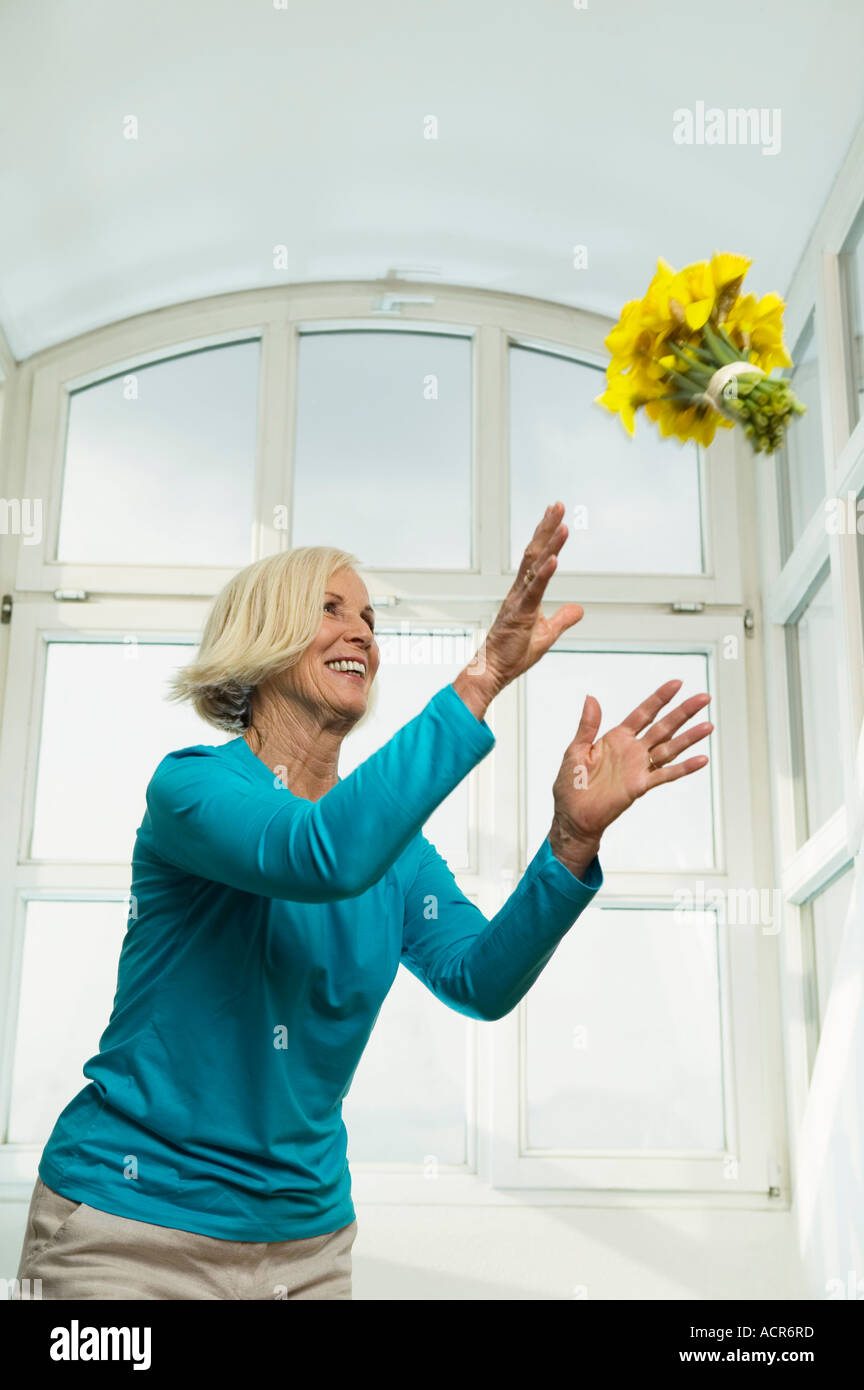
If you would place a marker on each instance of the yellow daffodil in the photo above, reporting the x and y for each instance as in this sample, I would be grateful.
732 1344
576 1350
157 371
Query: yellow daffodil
626 392
667 347
758 326
726 267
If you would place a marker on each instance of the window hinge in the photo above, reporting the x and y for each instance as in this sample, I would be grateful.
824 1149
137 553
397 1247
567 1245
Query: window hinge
6 609
686 607
749 623
774 1178
71 595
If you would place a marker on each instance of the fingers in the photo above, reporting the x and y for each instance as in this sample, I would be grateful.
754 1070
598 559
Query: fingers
527 596
544 530
644 714
671 774
663 753
548 538
566 616
665 727
589 724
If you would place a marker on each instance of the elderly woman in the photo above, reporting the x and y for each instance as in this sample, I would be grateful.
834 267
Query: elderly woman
272 904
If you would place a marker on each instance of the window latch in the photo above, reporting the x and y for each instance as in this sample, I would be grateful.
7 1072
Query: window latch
391 303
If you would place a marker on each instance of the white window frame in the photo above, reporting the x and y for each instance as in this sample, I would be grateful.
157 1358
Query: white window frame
805 869
171 600
754 1121
47 379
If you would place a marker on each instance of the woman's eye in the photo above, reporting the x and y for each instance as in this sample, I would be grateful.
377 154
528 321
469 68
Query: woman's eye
331 603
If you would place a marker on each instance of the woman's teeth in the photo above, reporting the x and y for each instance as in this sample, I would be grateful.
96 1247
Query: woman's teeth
354 668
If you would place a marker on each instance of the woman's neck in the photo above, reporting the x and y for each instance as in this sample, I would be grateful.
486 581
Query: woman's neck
297 746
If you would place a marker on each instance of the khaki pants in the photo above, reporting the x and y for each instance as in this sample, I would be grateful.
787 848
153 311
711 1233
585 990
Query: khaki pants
78 1251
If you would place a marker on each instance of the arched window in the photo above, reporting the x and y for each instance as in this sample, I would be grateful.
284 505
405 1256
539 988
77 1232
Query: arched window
166 452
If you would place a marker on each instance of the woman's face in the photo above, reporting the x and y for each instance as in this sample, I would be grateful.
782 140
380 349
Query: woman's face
346 634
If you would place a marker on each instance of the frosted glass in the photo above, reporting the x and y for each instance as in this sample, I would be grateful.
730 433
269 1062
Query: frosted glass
668 828
167 477
407 1103
829 920
69 975
624 1035
817 664
801 475
414 667
105 726
383 448
852 261
640 496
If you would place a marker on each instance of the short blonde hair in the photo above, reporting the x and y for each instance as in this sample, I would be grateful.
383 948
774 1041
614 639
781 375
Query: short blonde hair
259 624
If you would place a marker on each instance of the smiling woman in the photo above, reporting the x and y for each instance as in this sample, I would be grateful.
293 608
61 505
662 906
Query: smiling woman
267 622
299 716
274 902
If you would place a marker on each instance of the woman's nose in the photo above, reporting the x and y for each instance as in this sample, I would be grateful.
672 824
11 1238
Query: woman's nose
359 632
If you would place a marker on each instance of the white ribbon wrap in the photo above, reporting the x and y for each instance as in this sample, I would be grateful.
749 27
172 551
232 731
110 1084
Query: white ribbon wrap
713 394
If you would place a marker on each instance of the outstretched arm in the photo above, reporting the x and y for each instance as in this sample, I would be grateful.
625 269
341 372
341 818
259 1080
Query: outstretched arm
480 966
483 967
232 823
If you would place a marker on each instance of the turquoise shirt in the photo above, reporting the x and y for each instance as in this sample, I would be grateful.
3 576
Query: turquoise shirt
264 935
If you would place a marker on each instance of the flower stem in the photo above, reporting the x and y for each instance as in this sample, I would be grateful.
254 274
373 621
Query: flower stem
719 348
721 333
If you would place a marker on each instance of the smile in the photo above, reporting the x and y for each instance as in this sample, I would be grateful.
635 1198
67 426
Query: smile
354 670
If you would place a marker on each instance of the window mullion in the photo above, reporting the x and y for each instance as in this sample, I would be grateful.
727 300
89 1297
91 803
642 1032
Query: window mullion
491 453
275 441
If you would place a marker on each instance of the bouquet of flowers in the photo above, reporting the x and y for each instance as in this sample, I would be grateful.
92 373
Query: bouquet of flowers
695 354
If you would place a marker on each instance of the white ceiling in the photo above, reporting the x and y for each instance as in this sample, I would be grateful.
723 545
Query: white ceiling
304 126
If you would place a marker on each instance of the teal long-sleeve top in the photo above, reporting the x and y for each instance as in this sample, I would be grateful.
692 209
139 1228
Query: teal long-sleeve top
264 935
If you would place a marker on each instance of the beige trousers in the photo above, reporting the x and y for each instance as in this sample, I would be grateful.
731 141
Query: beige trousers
77 1251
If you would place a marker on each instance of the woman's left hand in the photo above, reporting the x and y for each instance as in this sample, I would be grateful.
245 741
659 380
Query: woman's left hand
598 781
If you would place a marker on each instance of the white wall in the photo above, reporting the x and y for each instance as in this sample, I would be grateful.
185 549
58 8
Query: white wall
513 1253
552 1252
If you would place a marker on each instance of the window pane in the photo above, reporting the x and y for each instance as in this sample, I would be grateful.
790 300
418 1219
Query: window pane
829 918
852 263
800 467
105 726
383 453
628 1058
670 828
632 504
69 975
160 463
407 1103
812 651
414 666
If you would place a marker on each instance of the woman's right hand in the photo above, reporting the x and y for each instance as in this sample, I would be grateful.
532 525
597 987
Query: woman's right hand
520 634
